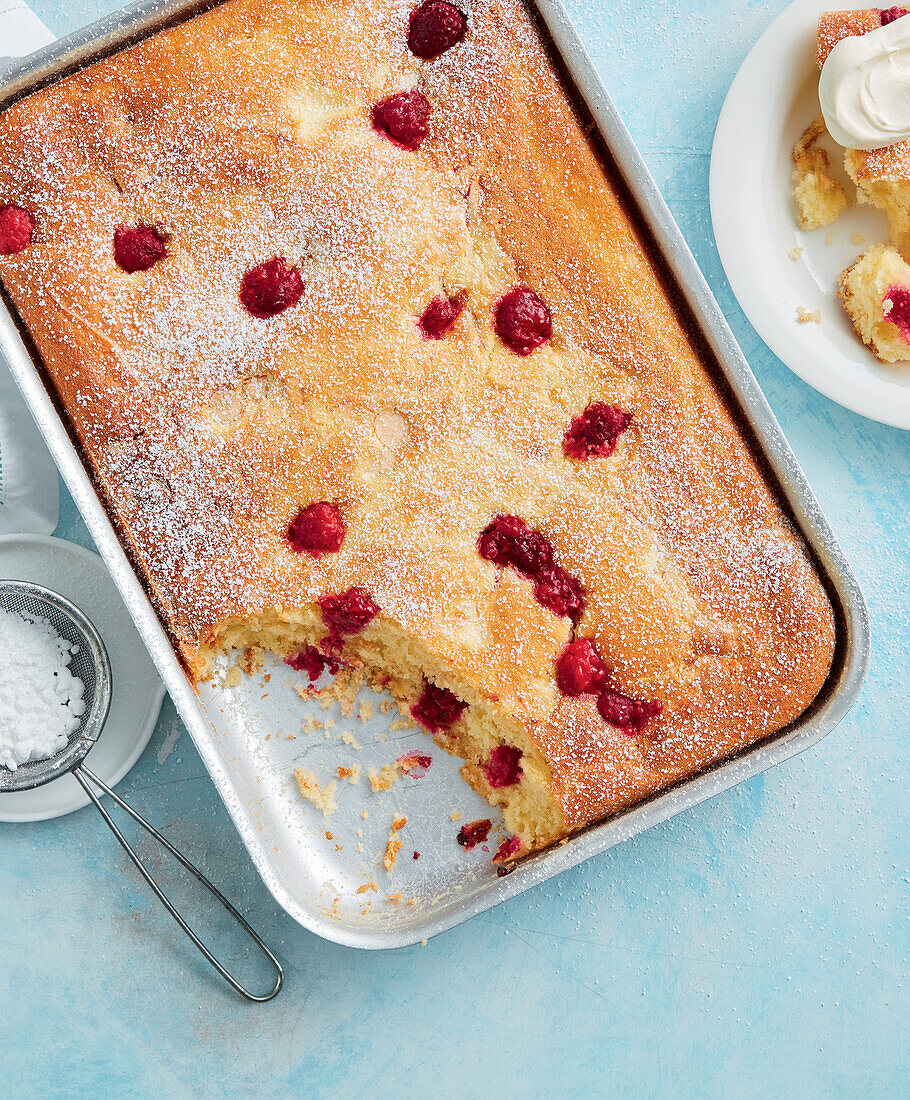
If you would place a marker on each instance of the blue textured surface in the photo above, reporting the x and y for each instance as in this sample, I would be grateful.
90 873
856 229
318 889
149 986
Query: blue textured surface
754 946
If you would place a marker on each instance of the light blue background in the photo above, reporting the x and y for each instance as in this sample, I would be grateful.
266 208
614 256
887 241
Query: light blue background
754 946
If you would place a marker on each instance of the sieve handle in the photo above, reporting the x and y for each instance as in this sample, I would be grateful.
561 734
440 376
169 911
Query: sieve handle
86 779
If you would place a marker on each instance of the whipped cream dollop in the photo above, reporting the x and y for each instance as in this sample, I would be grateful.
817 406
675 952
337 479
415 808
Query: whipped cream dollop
865 88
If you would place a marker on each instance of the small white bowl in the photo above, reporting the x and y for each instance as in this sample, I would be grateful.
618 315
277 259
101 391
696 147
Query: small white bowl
772 99
82 577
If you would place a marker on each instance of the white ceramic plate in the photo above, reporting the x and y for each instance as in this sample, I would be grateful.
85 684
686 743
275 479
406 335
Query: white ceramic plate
83 578
770 102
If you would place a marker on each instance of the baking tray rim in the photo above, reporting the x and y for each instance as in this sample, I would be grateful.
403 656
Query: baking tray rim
139 20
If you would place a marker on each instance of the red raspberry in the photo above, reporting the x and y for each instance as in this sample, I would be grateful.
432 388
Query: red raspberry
270 288
593 434
503 769
507 849
402 118
497 540
580 670
16 228
507 540
627 714
348 612
438 709
312 662
438 317
435 27
888 15
317 529
414 764
532 553
138 247
476 832
898 311
522 320
562 593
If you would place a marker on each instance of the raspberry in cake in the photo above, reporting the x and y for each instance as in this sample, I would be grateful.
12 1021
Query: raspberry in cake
317 529
888 15
627 714
16 228
522 320
580 670
438 317
313 662
348 612
138 247
438 709
503 769
594 433
434 27
402 118
509 848
270 288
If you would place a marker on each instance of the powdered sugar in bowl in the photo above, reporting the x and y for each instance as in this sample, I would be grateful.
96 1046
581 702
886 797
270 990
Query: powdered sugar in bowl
41 701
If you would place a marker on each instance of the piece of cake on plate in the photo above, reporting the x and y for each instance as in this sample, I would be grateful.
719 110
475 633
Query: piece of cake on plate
882 176
876 296
820 198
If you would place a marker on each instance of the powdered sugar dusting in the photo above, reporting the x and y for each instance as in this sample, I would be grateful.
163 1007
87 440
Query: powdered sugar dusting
246 135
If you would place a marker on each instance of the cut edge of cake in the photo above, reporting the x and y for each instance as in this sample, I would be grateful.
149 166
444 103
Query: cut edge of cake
394 660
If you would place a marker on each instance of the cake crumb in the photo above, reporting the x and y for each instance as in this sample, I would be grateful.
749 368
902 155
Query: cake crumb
394 845
402 724
795 253
366 711
232 677
351 774
371 885
806 316
857 238
349 739
455 816
412 901
829 237
324 799
251 661
395 899
305 692
365 814
383 779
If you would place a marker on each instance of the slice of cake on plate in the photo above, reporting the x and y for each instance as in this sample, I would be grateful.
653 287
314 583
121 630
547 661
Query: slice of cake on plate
876 295
882 176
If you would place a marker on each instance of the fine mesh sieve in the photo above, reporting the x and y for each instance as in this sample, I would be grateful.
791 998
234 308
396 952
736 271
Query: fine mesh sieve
91 665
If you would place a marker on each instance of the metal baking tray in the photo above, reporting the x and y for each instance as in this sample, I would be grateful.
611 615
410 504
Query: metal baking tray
252 736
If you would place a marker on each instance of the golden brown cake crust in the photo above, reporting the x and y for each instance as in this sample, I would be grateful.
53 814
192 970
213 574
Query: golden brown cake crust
245 134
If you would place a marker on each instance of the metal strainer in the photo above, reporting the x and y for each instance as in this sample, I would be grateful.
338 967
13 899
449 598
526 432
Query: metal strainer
91 665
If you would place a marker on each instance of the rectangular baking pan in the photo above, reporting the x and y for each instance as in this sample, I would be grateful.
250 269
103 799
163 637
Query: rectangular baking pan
251 737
